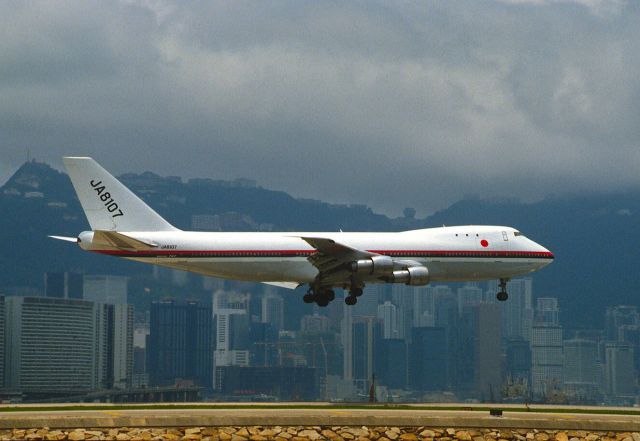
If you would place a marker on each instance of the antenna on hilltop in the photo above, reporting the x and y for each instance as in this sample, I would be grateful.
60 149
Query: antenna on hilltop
28 154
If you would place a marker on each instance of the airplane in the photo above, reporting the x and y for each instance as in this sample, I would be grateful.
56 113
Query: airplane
123 225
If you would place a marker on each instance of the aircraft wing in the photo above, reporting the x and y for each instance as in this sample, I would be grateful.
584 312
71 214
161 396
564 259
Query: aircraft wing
332 256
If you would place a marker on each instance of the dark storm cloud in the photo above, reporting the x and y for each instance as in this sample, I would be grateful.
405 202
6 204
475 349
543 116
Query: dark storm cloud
389 104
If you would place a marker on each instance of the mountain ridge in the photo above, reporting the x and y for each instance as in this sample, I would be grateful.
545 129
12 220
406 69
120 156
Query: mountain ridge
592 236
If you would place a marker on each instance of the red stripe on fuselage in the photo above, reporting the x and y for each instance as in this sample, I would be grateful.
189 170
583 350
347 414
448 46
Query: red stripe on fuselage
392 253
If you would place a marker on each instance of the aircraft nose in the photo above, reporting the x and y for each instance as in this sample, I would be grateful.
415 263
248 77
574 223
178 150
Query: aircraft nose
546 253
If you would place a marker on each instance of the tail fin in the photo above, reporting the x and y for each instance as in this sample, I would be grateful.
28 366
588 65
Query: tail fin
107 203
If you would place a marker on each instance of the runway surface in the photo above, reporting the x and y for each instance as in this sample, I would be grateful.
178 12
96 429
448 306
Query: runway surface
203 415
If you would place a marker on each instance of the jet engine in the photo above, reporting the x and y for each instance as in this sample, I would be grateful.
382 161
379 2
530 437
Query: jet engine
413 275
373 266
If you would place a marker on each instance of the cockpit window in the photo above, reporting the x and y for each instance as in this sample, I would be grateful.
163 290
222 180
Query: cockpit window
517 233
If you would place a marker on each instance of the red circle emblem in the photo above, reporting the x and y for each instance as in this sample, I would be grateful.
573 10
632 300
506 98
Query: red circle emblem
484 243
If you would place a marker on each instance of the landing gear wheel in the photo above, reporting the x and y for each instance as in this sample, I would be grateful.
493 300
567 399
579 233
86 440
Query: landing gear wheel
502 294
309 298
322 301
351 300
331 295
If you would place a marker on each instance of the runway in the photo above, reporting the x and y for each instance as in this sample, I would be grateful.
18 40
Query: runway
202 415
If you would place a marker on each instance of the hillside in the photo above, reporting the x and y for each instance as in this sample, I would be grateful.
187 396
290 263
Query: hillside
593 236
39 200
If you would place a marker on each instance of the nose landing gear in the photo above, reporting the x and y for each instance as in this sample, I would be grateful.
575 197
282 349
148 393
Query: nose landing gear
502 294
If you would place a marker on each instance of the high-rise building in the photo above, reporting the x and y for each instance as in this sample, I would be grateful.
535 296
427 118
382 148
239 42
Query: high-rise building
388 313
230 300
367 339
45 356
517 313
487 353
546 360
546 349
582 369
619 316
2 341
63 285
547 312
519 361
314 324
468 296
403 297
428 359
367 305
631 334
231 326
140 337
114 338
106 289
122 345
458 338
620 378
445 307
273 310
346 332
58 347
392 364
263 338
423 298
179 343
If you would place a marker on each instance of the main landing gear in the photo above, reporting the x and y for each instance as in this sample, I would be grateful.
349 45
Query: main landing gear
502 294
323 296
320 296
354 293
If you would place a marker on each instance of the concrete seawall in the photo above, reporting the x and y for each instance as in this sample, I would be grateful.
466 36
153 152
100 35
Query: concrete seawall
203 416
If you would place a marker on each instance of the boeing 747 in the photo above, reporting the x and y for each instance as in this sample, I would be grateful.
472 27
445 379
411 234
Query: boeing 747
124 226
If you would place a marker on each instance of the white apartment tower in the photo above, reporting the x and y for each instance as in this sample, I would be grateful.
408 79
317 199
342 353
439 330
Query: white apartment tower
546 349
65 346
230 317
389 315
273 309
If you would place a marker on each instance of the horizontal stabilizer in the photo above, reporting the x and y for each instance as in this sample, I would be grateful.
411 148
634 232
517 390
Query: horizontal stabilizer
288 285
65 238
120 241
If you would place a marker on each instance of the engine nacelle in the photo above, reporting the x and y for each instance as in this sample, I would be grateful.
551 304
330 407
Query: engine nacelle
374 266
414 275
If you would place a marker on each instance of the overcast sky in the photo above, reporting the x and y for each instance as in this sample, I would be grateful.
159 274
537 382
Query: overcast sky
382 103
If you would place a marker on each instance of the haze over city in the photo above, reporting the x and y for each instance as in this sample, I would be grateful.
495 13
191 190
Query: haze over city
356 103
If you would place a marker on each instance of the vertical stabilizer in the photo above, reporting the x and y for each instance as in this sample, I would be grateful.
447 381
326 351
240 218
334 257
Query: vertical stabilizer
107 203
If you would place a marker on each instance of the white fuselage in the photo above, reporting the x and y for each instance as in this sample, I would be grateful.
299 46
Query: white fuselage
450 253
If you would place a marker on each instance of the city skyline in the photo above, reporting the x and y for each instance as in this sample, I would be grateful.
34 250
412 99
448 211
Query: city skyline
458 340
